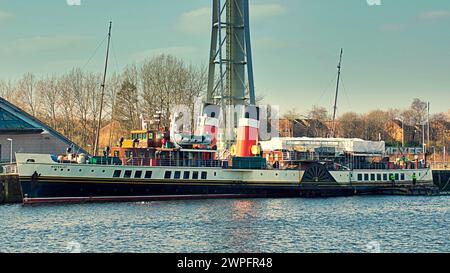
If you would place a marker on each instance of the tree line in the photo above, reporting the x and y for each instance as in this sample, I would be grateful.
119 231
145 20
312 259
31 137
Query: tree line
70 102
386 125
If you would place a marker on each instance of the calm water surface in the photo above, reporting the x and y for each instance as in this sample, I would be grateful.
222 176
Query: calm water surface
356 224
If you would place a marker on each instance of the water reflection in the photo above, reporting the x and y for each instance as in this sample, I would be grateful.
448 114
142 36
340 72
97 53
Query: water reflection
398 224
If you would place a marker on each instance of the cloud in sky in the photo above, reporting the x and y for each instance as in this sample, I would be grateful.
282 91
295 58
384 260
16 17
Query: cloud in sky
421 19
267 10
195 21
38 43
175 50
434 15
198 21
5 15
393 27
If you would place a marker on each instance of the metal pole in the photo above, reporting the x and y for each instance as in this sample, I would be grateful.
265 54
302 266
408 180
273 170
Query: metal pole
445 155
423 140
434 154
428 133
403 134
97 138
11 154
337 94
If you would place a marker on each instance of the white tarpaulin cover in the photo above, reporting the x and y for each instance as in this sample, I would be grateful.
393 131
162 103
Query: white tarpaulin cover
351 145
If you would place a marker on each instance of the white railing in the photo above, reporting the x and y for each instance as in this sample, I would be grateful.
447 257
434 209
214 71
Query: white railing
8 169
162 162
440 166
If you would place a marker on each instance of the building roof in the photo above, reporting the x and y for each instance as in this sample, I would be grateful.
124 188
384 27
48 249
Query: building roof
14 120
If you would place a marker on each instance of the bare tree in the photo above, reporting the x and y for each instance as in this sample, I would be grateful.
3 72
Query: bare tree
50 94
319 113
126 109
418 111
8 91
167 81
351 125
68 106
440 125
375 124
28 94
292 114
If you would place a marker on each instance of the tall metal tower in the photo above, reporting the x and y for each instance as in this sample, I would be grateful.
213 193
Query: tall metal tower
230 79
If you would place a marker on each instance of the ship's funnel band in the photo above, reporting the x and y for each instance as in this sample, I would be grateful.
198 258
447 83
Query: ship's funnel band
247 137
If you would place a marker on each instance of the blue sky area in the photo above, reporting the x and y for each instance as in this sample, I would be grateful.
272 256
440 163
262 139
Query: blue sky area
394 52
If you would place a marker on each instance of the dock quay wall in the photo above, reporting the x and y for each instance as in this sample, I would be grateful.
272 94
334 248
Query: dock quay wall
442 179
10 191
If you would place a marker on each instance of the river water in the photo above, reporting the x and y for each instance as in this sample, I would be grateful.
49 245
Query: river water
354 224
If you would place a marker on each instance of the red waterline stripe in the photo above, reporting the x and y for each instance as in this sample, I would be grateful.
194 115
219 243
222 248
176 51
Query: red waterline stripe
29 201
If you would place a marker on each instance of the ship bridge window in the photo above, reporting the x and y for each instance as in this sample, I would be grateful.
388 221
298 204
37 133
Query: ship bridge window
366 177
204 175
372 177
360 177
148 174
397 176
117 173
385 176
379 176
195 175
177 175
127 174
168 175
138 174
186 175
402 177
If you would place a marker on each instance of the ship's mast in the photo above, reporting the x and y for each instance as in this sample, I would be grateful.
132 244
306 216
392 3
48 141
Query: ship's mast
102 96
337 94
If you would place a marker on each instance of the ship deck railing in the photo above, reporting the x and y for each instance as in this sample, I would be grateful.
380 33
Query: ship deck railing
172 163
8 169
440 166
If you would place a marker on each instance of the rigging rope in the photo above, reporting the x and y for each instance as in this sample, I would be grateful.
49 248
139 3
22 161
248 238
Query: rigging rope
95 53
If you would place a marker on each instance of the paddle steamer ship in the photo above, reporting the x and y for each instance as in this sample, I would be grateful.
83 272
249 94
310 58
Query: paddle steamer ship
152 166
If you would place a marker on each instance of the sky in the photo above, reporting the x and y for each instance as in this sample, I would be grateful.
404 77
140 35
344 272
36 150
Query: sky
393 52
